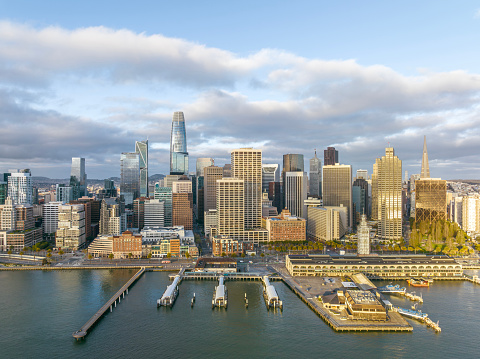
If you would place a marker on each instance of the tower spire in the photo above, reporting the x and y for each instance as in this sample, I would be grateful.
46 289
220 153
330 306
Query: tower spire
425 169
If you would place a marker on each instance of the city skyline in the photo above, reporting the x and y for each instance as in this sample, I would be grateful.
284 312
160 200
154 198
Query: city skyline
72 87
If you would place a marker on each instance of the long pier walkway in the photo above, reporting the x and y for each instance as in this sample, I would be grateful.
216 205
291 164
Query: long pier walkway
83 331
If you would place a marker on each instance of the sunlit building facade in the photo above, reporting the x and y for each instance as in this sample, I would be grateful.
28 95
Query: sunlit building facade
178 146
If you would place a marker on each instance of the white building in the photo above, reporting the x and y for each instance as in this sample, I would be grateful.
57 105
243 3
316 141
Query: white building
20 186
363 234
210 221
156 234
71 226
50 217
296 193
154 212
327 223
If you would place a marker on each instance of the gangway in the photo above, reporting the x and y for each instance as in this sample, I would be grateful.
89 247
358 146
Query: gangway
170 294
220 294
270 295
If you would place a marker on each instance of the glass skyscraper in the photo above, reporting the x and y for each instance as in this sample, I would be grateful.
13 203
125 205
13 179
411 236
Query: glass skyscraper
78 177
141 147
165 194
130 177
178 146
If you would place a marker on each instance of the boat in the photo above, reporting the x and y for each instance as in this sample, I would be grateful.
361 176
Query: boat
412 313
392 289
418 282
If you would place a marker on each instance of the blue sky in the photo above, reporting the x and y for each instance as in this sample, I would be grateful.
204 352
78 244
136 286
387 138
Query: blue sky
89 78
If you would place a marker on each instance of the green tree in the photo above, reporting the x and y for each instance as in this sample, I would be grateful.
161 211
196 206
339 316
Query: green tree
21 255
110 256
149 256
233 255
224 254
9 253
89 257
429 246
169 255
187 255
262 255
243 255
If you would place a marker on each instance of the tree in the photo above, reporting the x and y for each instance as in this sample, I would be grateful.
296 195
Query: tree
243 255
89 257
149 256
429 245
110 256
224 254
262 255
187 254
9 253
44 262
169 255
130 255
21 255
233 255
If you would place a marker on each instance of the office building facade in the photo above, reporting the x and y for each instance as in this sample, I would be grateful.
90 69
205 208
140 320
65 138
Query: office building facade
337 188
178 146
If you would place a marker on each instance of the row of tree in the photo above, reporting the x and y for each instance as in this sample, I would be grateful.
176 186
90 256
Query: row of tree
429 235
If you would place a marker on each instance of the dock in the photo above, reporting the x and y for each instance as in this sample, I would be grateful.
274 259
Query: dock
220 295
83 331
170 295
472 278
270 295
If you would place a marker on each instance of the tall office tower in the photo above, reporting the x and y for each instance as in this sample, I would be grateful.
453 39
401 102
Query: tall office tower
154 213
315 176
363 174
211 175
330 156
203 162
139 212
109 188
113 220
276 196
430 200
165 194
200 198
269 174
3 187
360 196
387 195
337 188
296 193
291 163
247 166
230 207
64 193
141 147
71 226
130 177
20 186
78 177
425 172
178 146
182 203
227 170
363 234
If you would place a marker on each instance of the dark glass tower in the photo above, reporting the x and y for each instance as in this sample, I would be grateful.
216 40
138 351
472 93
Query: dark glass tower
141 147
130 177
330 156
178 146
78 177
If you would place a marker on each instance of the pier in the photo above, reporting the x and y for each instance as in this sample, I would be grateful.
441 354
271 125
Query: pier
111 303
220 295
270 295
170 294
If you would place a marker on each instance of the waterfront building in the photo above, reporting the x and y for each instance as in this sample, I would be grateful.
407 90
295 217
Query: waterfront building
130 177
165 194
315 176
222 246
20 186
230 207
78 178
387 195
216 265
285 227
211 175
71 226
296 193
363 237
327 223
50 217
90 232
337 188
126 245
154 213
17 226
156 234
178 146
141 147
330 156
270 173
64 193
8 215
113 220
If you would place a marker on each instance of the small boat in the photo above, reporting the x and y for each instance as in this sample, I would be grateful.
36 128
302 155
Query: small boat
418 282
392 289
414 314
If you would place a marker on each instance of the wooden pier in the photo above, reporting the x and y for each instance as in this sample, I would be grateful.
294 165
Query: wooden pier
83 331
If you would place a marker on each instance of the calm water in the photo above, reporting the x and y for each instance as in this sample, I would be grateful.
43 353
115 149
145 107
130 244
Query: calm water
39 311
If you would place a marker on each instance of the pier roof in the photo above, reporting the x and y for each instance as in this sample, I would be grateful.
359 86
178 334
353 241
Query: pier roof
376 260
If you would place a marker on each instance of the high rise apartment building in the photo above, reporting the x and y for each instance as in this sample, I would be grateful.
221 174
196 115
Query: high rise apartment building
247 166
71 226
231 207
178 146
337 188
387 195
50 217
20 186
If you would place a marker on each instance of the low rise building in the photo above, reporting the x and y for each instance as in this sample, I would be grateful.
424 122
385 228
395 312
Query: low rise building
285 227
216 265
327 223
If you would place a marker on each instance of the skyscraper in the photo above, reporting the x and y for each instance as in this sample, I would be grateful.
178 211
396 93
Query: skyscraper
178 146
363 234
269 174
203 162
296 193
230 207
211 175
387 195
130 177
425 172
337 188
20 186
291 163
78 177
247 166
315 176
141 147
165 194
330 156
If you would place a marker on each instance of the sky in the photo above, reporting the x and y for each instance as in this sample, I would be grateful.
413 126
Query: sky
88 79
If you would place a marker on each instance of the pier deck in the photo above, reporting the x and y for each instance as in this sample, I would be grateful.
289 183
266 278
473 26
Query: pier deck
83 331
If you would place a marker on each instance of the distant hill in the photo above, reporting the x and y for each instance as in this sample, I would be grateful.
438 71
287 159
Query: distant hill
45 181
469 181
